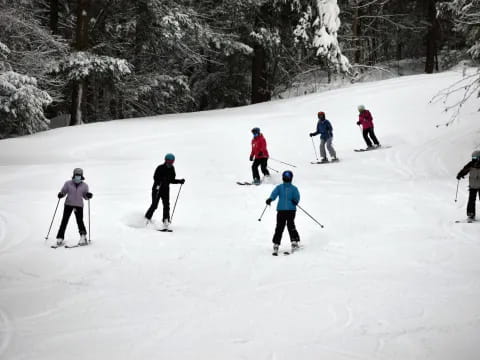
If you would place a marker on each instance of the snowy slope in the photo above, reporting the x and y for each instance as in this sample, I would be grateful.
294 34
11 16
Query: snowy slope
389 277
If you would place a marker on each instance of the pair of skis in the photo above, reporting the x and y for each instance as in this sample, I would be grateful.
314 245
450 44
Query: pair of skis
373 148
68 246
325 162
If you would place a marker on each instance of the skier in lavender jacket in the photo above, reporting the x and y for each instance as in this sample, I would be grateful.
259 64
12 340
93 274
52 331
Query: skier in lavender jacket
76 190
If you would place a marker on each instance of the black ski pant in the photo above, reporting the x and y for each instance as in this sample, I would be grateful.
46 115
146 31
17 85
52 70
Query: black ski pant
370 132
67 211
156 196
263 165
285 217
472 197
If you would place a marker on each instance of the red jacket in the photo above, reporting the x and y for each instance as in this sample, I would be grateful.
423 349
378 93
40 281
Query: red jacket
365 119
259 147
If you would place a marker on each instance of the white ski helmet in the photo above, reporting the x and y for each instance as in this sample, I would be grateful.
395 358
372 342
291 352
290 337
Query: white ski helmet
361 108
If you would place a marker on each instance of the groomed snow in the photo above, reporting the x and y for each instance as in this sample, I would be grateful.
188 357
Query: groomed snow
391 276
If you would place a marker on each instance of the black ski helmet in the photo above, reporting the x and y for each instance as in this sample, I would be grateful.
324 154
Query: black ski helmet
287 176
476 155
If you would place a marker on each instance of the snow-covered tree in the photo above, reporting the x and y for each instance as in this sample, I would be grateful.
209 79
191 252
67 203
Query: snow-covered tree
79 66
466 17
318 26
22 105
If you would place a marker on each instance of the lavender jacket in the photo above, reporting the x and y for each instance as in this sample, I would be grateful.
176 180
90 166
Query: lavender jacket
75 193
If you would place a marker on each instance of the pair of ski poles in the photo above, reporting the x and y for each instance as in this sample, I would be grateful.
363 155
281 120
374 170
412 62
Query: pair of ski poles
53 218
263 212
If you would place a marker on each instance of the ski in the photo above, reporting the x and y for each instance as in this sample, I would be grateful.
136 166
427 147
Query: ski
324 162
74 246
373 148
465 221
247 183
165 230
56 246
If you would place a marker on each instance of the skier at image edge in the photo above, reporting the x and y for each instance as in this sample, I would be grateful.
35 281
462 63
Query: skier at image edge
325 129
288 198
472 167
164 176
76 190
259 155
365 119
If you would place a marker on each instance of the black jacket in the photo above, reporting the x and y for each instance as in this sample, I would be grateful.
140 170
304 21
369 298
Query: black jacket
163 177
473 167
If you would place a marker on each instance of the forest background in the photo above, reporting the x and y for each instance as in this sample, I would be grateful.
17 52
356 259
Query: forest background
85 61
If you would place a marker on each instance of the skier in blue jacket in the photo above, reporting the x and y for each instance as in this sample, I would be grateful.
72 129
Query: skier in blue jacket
325 129
288 198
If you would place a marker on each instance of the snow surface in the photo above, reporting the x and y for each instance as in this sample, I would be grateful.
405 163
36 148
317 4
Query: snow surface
391 276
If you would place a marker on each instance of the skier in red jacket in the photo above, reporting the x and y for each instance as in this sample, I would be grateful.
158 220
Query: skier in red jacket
365 119
259 155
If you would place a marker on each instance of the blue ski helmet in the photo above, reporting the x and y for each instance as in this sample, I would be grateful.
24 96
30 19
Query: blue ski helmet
170 157
287 176
256 131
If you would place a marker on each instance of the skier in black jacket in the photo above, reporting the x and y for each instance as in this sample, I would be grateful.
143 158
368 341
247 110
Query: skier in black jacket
473 167
163 177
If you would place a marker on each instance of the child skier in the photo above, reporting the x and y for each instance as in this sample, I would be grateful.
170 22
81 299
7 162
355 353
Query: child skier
325 129
288 198
164 176
473 167
365 119
76 190
260 154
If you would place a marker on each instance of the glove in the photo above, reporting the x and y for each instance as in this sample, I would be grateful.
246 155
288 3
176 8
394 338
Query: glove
459 177
251 157
295 202
181 181
260 153
269 201
60 195
312 134
88 195
358 122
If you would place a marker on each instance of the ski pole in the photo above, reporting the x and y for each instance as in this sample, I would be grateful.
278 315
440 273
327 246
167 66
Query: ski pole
263 212
58 202
314 148
310 216
273 169
174 205
282 162
89 237
456 194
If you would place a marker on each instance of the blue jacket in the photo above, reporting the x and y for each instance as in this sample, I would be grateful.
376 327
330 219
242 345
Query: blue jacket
325 129
285 192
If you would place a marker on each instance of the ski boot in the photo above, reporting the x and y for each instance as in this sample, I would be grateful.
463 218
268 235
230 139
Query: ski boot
59 241
275 250
166 223
83 240
295 246
256 181
324 160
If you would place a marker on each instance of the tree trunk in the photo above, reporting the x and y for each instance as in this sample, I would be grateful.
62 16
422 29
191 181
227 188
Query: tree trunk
80 44
356 32
432 36
260 92
54 16
141 32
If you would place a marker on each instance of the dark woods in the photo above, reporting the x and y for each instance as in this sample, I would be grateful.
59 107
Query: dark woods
87 61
